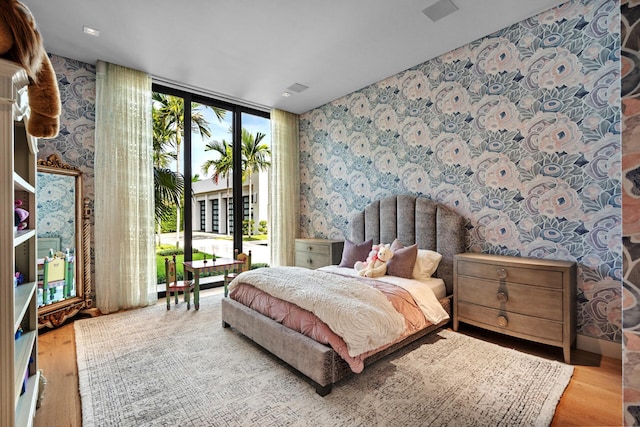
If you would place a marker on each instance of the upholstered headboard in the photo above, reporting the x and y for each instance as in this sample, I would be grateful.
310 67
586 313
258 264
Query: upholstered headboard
411 220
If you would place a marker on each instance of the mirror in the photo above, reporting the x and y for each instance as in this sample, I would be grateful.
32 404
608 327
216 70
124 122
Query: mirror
62 229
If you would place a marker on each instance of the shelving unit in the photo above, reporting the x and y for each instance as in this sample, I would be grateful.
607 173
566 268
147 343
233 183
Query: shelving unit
18 308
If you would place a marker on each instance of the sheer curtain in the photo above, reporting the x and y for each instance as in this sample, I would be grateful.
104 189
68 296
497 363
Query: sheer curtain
124 241
284 212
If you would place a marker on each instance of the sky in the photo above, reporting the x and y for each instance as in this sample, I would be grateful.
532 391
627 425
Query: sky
220 131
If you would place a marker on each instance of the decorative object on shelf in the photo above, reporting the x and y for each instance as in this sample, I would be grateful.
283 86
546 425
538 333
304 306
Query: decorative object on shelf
21 43
20 215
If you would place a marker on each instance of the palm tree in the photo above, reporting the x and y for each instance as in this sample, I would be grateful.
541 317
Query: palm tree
168 185
255 158
170 112
222 166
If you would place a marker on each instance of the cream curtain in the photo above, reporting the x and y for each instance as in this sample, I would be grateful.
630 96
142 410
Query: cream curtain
124 240
284 210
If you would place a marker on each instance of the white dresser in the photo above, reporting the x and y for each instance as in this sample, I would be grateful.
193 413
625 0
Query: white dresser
316 253
523 297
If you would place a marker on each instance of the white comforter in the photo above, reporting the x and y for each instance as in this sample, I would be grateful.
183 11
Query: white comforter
360 314
421 291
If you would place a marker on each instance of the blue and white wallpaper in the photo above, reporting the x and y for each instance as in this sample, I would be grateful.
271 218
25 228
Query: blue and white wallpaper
56 214
518 132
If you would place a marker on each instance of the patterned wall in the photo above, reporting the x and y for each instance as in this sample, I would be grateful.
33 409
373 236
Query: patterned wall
56 214
630 58
519 132
75 142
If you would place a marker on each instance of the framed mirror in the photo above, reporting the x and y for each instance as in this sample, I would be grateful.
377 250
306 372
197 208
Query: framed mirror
62 229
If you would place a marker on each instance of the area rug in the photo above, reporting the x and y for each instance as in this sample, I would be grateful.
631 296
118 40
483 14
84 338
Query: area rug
153 367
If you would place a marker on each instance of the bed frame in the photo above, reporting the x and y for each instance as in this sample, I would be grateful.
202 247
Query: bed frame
409 218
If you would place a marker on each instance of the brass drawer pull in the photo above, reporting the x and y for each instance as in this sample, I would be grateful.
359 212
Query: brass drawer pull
502 321
309 248
502 273
502 296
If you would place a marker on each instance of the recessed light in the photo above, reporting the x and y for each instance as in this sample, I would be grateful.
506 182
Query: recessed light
91 31
286 94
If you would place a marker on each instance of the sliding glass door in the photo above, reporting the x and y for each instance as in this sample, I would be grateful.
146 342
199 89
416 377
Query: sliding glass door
220 158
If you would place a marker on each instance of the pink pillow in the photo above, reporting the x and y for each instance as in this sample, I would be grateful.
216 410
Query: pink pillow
403 261
353 252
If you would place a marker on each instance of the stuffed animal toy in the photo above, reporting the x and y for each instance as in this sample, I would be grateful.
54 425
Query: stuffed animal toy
377 266
20 215
359 265
20 42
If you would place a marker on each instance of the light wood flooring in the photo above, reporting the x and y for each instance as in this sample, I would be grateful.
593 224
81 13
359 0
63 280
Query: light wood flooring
593 397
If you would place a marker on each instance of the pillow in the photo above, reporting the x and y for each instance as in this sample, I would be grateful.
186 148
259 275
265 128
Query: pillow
426 264
352 252
403 261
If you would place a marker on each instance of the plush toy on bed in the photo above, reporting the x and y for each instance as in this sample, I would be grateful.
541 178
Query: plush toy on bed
376 265
20 215
20 42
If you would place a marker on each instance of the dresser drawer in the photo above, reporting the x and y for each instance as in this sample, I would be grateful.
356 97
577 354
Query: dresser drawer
310 246
311 260
510 323
512 297
511 273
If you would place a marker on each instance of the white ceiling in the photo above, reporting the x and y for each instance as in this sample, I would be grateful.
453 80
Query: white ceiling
252 50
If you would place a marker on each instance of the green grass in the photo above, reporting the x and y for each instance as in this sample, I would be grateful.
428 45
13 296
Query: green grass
179 267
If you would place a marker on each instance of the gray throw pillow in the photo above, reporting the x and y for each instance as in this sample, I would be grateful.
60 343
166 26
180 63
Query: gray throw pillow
353 252
403 261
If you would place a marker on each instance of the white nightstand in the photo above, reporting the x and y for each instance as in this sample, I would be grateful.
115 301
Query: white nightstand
315 253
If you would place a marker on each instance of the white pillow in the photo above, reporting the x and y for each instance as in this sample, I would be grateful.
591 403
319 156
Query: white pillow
426 264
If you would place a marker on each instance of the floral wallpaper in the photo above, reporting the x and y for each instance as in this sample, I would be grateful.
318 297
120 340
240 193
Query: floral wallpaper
519 132
56 214
630 59
75 142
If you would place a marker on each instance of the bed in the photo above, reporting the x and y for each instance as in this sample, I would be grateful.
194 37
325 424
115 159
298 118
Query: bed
411 220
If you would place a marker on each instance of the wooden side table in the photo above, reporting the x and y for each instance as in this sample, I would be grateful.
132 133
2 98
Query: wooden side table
316 253
225 265
533 299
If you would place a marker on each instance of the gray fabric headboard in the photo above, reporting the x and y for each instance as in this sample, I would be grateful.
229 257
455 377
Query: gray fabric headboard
411 220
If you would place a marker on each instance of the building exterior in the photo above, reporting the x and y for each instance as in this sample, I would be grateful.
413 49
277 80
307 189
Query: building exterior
213 203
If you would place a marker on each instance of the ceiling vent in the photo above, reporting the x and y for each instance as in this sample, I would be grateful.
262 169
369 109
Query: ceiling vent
297 87
440 9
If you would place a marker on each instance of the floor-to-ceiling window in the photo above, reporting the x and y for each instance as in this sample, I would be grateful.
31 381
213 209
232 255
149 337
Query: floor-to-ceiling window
222 153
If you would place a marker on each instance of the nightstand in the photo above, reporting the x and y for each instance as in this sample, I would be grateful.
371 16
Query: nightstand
315 253
526 298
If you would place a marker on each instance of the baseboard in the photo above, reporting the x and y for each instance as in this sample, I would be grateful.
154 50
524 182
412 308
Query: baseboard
594 345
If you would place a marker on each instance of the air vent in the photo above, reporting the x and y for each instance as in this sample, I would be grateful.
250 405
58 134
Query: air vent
440 9
297 87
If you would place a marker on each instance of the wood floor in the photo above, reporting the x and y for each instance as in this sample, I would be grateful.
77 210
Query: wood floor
593 397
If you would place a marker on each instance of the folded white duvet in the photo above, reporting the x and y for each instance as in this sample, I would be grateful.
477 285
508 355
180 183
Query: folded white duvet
360 314
422 291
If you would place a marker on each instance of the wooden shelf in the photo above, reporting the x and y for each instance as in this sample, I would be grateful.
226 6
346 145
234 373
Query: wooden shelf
23 295
26 406
23 349
21 184
18 307
22 236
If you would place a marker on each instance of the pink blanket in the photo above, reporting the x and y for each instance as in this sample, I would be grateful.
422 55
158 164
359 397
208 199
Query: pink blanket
310 325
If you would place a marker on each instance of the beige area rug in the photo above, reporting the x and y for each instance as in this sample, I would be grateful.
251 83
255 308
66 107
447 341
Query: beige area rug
153 367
